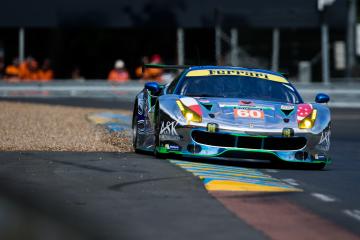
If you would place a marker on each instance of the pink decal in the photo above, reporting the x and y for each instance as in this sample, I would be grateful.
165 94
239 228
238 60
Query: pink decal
303 111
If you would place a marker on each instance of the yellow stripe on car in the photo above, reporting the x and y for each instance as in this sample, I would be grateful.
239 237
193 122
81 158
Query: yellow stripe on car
234 72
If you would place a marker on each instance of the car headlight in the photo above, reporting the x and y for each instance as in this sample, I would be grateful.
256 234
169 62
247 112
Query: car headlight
309 121
189 115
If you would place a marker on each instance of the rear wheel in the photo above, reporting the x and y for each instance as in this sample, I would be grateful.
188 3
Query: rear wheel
308 166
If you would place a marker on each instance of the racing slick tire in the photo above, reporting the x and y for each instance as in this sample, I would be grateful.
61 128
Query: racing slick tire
135 130
318 166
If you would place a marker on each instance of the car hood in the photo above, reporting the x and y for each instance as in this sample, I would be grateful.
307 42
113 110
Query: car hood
248 112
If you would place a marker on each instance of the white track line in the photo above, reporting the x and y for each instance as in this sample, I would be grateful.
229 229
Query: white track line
290 181
353 213
323 197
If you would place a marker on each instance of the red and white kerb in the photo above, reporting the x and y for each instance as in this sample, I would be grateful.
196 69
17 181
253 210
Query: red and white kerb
303 111
192 104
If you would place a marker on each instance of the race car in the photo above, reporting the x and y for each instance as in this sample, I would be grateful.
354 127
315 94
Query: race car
231 112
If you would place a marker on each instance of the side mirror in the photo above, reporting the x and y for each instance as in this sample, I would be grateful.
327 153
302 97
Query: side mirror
153 87
322 98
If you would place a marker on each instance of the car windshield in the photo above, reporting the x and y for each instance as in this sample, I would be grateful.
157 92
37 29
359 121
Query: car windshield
238 87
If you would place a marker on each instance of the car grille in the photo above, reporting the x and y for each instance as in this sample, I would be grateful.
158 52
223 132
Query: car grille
265 143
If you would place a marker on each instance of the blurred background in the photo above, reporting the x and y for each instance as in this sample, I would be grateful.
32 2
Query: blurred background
95 49
312 41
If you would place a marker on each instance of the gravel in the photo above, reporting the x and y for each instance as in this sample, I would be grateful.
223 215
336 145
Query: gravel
41 127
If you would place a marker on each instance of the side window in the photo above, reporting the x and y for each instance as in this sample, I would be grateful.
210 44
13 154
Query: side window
173 84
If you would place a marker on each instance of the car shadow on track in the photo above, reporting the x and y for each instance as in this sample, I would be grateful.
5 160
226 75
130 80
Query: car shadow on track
245 163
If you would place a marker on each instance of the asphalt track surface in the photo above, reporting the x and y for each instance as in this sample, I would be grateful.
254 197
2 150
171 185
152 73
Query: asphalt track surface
132 196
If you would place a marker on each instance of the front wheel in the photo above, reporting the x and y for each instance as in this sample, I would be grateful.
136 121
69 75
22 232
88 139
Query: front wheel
135 132
318 166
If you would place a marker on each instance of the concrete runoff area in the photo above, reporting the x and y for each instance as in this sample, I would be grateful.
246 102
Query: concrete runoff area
123 195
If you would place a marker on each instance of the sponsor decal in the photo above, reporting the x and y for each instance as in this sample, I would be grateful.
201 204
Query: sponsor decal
249 113
319 156
287 107
168 131
288 132
234 72
232 105
165 137
325 140
172 147
212 127
168 127
241 106
303 111
247 107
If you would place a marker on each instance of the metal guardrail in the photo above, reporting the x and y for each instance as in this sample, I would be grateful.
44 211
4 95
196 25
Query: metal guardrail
342 95
57 89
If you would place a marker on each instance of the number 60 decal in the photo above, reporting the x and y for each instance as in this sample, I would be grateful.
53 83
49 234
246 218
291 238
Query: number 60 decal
249 113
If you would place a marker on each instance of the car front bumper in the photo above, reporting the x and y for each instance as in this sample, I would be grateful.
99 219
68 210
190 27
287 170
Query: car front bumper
303 147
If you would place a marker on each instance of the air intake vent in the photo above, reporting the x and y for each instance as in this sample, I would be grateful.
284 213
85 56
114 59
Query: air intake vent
214 139
287 112
248 142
